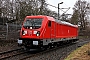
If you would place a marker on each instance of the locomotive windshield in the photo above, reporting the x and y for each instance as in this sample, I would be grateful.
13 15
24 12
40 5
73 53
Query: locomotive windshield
33 23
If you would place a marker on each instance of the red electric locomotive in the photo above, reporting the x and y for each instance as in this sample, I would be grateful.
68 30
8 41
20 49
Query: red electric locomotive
39 31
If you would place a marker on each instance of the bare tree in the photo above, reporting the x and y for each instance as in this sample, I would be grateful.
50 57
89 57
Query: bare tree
75 17
17 10
0 8
81 8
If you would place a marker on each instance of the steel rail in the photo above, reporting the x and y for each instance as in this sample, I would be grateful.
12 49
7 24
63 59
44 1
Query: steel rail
11 53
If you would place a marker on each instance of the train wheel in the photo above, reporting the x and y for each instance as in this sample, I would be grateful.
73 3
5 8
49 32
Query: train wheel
27 48
46 47
43 48
58 44
51 45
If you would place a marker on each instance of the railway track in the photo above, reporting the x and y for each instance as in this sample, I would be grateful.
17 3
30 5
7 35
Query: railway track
24 55
11 53
45 51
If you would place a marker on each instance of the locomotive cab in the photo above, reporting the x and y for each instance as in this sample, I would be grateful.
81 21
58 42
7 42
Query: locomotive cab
32 23
31 26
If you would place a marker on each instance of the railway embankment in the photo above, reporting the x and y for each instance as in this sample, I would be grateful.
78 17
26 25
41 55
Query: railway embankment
6 45
82 53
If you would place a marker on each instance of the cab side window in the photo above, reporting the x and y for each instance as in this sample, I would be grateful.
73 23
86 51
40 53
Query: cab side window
49 24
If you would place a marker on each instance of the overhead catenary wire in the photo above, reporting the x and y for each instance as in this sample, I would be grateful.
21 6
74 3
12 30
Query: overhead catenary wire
53 6
59 8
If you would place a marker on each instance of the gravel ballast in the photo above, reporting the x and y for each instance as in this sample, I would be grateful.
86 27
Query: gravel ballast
58 54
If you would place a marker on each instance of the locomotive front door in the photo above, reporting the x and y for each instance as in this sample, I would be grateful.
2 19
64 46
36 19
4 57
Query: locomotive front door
53 30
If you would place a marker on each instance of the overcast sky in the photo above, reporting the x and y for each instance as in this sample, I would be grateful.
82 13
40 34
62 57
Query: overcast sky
66 4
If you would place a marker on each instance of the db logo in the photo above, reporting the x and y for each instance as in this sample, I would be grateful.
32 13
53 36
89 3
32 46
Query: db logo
30 32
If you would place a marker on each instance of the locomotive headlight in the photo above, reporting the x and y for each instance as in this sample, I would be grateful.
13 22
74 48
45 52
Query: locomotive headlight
38 33
24 32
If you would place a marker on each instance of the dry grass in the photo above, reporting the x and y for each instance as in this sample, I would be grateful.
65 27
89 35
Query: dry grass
81 53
